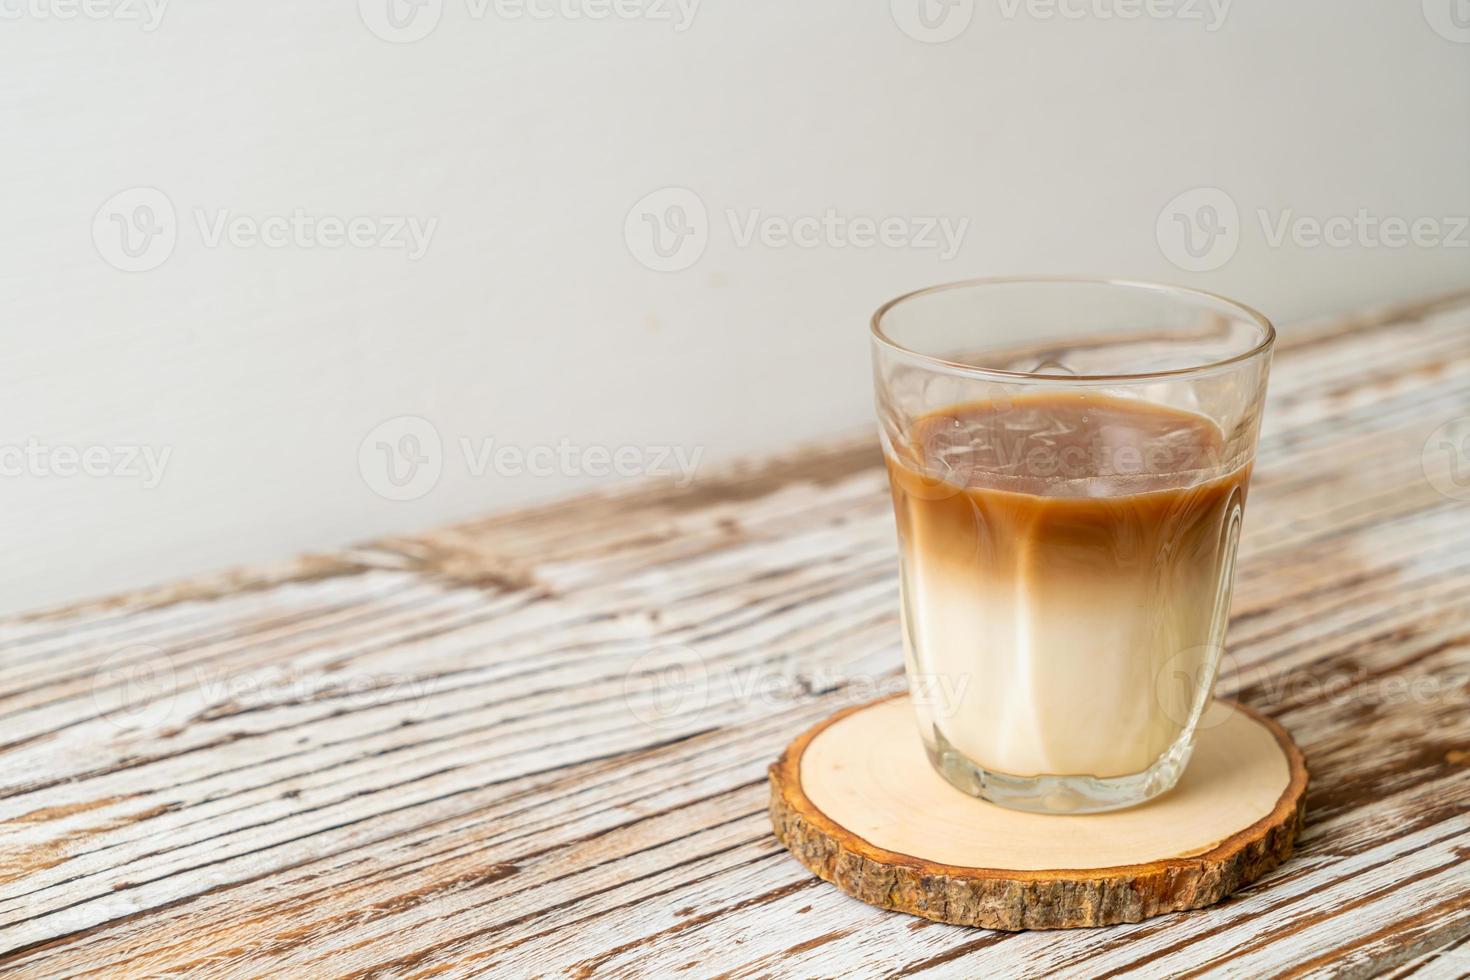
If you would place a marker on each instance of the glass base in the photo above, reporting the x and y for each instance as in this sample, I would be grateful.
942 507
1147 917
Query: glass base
1058 794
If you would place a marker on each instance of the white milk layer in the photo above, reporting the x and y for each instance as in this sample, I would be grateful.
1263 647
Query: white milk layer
1034 674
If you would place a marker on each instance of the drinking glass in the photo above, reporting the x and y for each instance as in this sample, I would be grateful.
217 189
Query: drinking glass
1069 461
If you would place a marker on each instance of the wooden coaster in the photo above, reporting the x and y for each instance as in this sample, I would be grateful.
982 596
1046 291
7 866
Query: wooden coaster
855 799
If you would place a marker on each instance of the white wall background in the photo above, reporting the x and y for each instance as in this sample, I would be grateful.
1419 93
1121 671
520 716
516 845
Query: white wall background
529 320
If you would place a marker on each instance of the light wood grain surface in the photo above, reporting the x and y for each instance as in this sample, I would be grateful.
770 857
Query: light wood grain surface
536 744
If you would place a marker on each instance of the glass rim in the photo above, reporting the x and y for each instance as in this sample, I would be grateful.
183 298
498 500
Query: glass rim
1248 313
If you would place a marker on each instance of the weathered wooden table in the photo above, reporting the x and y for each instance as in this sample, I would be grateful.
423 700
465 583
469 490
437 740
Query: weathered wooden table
537 744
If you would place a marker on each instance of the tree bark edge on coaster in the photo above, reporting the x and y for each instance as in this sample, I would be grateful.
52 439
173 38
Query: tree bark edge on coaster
1017 899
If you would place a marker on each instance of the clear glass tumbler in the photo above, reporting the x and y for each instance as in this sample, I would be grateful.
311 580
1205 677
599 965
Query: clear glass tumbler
1069 462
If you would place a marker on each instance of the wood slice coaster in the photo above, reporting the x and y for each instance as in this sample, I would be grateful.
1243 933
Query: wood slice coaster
855 799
